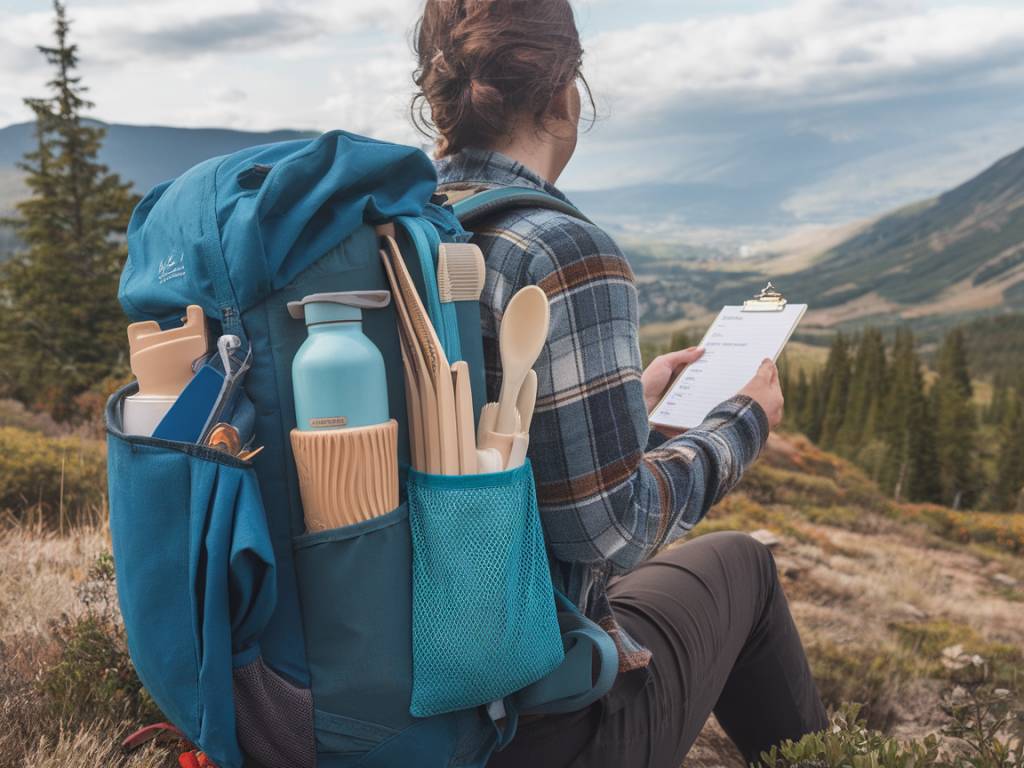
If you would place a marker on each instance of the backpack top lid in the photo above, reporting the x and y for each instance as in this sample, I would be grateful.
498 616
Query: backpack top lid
233 229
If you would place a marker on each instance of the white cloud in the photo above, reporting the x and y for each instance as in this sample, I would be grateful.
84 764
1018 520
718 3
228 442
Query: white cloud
813 51
811 94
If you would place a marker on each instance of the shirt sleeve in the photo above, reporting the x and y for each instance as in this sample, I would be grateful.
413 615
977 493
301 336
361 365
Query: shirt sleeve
604 495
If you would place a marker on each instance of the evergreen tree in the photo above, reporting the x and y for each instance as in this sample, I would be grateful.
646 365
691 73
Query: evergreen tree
62 329
836 387
796 393
911 467
1008 489
998 407
956 425
867 392
807 415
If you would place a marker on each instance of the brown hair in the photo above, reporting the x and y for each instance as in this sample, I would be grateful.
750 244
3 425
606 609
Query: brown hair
485 63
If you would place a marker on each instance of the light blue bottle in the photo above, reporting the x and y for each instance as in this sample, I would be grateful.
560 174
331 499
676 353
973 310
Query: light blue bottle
338 374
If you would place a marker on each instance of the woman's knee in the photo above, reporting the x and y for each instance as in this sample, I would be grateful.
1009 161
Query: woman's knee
735 547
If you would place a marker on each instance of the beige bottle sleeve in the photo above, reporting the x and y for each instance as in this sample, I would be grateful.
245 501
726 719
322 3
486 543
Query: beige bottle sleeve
347 476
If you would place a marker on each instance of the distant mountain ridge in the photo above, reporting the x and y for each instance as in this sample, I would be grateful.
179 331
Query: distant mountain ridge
147 155
962 252
948 259
142 154
958 255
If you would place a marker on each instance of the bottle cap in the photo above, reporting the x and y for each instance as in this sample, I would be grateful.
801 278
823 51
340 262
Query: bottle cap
337 307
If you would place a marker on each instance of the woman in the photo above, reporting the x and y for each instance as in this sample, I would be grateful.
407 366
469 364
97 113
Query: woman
705 626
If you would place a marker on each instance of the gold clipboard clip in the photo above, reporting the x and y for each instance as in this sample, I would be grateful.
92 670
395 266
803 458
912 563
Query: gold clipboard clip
770 299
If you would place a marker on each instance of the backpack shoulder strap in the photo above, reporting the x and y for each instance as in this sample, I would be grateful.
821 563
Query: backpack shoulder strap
474 207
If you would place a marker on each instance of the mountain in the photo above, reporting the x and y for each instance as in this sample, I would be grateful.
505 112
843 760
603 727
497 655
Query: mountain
948 259
958 253
143 154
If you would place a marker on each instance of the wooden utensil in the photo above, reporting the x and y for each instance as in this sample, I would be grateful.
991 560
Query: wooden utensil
517 455
527 400
437 363
488 460
425 405
464 417
413 411
524 330
488 420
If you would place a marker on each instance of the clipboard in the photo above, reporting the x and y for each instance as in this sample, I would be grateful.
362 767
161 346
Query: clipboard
733 354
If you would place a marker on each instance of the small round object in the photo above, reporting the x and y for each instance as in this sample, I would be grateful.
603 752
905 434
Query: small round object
224 437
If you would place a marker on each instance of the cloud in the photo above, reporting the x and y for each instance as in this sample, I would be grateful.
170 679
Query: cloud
836 105
811 52
247 30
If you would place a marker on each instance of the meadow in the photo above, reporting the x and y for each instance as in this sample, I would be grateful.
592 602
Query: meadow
906 610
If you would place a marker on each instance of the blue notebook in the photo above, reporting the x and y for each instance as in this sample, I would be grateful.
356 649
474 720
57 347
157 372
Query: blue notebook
185 420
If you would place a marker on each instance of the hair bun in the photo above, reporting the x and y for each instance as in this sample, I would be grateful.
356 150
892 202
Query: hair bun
483 65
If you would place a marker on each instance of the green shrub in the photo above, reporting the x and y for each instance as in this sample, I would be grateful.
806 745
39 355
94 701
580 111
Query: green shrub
984 732
850 744
93 679
15 414
871 677
60 479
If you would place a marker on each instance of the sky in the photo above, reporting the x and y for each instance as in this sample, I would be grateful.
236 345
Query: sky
860 104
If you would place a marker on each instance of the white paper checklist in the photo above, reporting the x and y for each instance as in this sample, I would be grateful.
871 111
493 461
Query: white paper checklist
734 347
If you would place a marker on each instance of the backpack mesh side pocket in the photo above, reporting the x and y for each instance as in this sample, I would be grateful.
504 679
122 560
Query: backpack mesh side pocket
484 619
274 718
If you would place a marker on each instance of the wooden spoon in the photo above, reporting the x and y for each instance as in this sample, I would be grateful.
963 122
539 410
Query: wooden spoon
524 330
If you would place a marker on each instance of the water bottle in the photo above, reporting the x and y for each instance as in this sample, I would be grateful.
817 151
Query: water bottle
338 374
345 446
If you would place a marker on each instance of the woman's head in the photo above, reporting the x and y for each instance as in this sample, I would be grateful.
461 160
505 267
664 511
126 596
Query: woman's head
490 68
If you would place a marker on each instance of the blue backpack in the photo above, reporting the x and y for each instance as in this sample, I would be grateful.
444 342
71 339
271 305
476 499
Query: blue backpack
413 639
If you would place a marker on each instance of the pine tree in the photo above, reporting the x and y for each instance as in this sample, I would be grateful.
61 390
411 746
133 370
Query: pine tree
998 407
808 419
867 391
956 425
795 392
836 387
62 328
1008 489
910 470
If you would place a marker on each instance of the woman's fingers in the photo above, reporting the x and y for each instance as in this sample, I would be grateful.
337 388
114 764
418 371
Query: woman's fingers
681 357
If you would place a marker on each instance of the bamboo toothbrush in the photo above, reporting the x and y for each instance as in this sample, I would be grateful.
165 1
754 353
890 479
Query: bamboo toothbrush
437 363
460 272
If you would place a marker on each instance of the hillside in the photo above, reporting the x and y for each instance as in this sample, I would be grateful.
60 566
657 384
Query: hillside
934 263
958 253
878 590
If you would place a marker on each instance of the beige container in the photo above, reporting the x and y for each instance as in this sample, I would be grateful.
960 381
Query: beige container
347 476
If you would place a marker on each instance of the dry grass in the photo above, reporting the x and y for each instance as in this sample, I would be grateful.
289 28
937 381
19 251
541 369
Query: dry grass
877 589
67 693
39 572
92 747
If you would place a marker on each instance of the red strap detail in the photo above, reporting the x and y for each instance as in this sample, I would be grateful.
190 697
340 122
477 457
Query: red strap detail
188 760
150 732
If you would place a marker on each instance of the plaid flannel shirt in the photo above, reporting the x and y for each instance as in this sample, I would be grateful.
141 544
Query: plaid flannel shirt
611 493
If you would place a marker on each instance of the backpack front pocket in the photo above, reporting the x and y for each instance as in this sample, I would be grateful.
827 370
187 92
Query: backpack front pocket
355 588
195 573
484 619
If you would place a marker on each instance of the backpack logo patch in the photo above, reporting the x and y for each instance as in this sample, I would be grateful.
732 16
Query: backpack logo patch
172 268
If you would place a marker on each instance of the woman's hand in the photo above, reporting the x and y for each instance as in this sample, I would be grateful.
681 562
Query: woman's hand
766 390
663 370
